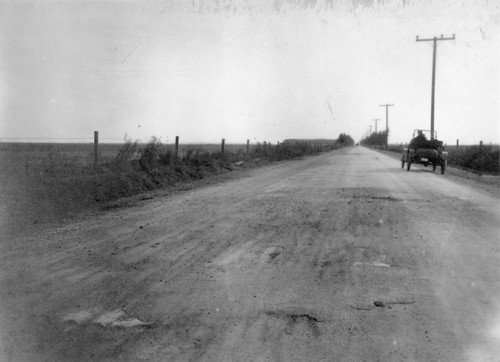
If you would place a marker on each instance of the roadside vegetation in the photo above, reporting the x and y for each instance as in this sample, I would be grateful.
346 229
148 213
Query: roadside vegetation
483 159
46 182
376 139
479 159
138 168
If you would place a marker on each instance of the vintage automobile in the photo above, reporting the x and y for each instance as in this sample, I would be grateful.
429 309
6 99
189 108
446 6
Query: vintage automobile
425 152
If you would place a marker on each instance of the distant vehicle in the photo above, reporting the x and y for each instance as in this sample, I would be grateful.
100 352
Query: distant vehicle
425 152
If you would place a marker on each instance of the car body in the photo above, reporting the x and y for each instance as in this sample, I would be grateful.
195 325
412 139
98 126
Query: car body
425 152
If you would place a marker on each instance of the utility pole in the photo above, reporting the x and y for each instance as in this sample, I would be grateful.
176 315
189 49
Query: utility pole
96 144
387 123
376 121
434 41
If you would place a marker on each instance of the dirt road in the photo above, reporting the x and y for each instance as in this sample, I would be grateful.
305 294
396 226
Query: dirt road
339 257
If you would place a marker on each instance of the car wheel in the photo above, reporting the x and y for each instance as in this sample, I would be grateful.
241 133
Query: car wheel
443 167
408 166
434 165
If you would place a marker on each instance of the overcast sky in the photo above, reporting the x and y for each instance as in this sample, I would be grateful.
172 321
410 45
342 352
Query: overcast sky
258 70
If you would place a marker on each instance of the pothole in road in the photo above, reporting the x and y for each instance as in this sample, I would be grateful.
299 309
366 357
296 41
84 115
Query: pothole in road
294 317
273 252
368 195
381 304
115 318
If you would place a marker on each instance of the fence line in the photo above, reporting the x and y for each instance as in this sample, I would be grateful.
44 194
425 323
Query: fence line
96 156
57 139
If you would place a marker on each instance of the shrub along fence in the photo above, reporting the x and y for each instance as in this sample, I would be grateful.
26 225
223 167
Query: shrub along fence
132 167
478 158
482 158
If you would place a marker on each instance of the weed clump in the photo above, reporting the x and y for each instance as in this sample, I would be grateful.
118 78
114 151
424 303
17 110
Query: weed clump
127 152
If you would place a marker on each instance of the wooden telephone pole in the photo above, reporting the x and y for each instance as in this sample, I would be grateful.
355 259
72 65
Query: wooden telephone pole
434 40
376 122
387 123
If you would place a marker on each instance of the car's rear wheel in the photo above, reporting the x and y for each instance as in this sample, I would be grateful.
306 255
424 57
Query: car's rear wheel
443 166
408 166
434 165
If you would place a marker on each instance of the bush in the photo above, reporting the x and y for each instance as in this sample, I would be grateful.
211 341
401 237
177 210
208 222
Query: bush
477 158
345 140
198 158
125 155
150 156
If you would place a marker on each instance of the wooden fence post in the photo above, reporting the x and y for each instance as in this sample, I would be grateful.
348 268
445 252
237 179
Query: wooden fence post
222 145
176 146
96 143
457 142
480 144
248 146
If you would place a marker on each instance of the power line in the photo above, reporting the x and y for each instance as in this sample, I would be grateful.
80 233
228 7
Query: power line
434 41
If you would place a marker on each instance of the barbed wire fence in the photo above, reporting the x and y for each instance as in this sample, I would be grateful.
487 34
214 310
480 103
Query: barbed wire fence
97 140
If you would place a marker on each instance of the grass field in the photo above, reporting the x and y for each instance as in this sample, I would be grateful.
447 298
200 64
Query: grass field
47 182
83 153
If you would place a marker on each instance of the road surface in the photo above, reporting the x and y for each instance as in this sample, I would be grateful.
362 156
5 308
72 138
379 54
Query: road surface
338 257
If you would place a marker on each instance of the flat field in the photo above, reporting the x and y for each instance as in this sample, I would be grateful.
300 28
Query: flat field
47 182
34 176
15 155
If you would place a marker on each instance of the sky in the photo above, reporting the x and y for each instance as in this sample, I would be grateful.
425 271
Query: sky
260 70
